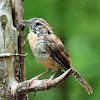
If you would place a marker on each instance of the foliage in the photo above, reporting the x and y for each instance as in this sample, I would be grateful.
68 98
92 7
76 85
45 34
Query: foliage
77 23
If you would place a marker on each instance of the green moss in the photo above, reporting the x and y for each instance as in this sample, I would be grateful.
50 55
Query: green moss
4 21
4 96
11 4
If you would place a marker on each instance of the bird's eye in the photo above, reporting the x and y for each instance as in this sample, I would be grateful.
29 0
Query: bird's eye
38 24
49 32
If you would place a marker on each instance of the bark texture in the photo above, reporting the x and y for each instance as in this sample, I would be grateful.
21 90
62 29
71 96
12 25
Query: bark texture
18 14
11 68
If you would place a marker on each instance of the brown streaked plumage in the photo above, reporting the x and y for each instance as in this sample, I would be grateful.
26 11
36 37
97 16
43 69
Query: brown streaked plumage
49 50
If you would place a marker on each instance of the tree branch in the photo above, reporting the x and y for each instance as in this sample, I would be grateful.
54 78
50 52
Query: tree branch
39 85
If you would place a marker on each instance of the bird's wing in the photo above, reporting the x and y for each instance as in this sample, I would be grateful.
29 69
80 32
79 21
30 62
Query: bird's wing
57 51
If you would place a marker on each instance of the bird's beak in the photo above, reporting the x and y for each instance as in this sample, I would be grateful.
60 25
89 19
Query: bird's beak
25 22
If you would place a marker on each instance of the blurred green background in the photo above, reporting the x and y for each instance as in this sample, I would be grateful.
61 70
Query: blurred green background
77 23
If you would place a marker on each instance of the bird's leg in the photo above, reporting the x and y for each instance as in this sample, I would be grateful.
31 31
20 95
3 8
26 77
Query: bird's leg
50 79
37 77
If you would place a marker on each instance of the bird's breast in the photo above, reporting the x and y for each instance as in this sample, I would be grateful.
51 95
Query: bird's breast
32 40
38 49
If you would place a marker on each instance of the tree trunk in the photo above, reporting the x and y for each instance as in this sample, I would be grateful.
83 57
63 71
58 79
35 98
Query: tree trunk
12 68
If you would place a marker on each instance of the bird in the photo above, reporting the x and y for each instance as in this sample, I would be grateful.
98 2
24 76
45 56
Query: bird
49 50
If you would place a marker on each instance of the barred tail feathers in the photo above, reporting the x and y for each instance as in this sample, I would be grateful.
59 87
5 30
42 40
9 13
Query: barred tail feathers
82 81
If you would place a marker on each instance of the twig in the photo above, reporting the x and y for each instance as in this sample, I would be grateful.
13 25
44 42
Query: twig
10 54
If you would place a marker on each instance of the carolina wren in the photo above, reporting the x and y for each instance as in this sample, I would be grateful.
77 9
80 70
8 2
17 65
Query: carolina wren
49 50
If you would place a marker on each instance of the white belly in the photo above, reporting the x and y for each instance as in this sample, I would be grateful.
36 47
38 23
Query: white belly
46 60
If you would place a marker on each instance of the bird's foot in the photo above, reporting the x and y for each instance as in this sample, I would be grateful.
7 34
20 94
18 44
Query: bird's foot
37 77
49 80
31 80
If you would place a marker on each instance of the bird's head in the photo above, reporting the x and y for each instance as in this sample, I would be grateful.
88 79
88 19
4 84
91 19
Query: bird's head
38 26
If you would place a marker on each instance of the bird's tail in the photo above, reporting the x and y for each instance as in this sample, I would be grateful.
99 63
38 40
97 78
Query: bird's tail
82 81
